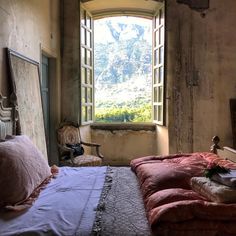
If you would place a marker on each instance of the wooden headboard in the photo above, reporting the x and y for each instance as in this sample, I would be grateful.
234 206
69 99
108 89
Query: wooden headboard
225 152
7 119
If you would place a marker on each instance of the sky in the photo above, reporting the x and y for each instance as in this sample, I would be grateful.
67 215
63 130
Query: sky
102 33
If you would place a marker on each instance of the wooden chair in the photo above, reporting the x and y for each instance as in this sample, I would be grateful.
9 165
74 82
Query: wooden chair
68 135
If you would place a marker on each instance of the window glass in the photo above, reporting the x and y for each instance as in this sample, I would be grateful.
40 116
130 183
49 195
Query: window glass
84 95
83 35
88 38
83 75
160 94
83 55
89 58
161 74
89 77
89 95
161 55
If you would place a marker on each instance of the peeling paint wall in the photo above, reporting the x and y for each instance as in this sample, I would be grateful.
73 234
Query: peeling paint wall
29 26
201 72
71 60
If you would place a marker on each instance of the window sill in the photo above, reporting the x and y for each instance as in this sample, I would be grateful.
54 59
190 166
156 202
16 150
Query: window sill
124 126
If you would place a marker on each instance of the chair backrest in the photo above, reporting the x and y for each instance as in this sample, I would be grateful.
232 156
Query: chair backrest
68 134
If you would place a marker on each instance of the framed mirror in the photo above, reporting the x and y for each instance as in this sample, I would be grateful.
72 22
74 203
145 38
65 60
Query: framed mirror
26 86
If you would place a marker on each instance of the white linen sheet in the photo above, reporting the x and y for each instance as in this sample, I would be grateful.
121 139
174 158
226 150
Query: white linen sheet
66 207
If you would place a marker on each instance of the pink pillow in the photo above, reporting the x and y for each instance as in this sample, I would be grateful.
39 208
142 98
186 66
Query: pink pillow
22 169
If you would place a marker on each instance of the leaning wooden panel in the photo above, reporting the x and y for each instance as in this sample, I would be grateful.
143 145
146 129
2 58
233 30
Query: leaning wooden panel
26 86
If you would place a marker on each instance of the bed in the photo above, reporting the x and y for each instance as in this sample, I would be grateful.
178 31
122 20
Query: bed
155 195
179 200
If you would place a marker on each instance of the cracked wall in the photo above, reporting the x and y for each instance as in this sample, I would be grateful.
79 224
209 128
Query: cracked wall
200 74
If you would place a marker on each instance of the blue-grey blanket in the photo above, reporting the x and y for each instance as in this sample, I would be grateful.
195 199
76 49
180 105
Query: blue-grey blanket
66 207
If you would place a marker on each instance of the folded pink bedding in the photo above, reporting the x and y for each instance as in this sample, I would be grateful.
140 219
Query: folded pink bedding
173 208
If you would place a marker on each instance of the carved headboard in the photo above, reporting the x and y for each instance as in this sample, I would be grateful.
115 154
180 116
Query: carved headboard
7 119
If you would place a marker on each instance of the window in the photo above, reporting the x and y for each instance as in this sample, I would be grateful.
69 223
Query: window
86 37
87 68
123 69
158 67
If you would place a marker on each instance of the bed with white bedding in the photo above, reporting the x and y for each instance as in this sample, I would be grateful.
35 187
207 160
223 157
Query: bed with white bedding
67 206
36 199
80 202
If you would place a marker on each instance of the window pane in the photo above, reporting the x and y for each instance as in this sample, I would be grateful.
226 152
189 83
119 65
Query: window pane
155 91
160 94
83 58
88 39
89 77
156 57
159 113
155 76
89 95
89 58
161 55
157 41
83 75
83 35
161 35
154 112
161 74
83 95
84 114
156 21
89 113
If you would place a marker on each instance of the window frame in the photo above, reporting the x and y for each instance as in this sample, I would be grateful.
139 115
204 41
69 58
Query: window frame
86 67
158 67
158 101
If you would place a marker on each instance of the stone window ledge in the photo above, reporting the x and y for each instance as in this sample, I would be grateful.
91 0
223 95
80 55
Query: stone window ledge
124 126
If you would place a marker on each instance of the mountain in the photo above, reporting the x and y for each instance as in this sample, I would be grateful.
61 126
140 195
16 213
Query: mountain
123 62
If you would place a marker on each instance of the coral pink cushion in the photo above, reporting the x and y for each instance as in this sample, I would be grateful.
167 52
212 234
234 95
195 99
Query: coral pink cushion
22 169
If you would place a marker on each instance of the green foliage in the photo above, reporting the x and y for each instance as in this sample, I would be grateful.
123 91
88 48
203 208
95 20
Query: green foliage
124 114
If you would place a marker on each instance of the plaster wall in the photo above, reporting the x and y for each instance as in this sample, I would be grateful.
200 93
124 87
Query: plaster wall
200 74
30 28
200 80
119 147
162 140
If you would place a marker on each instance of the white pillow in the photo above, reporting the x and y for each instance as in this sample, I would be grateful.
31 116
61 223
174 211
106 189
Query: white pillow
22 169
